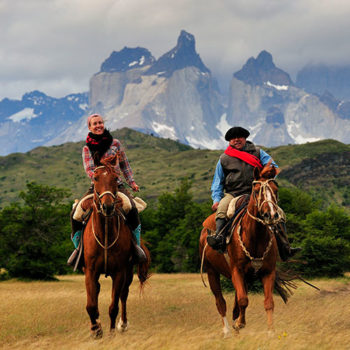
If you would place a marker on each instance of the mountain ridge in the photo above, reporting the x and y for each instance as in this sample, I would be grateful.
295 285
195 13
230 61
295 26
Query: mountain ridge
160 164
177 96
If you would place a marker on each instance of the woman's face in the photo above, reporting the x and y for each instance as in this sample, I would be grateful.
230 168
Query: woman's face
97 125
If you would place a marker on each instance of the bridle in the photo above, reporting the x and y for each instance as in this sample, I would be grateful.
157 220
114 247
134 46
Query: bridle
101 210
264 188
99 206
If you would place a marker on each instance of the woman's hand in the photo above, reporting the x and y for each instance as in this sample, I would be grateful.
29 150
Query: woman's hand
135 187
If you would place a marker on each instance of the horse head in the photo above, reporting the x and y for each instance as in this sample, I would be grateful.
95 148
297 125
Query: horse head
265 194
105 186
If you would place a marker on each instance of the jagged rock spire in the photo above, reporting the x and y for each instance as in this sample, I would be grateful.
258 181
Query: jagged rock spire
126 59
261 70
182 55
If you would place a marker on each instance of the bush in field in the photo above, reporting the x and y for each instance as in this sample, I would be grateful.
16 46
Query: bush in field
34 234
324 235
172 230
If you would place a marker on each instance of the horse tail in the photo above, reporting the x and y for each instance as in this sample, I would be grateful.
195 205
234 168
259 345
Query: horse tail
284 284
143 268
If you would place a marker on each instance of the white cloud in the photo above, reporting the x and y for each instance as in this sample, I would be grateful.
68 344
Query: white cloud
56 46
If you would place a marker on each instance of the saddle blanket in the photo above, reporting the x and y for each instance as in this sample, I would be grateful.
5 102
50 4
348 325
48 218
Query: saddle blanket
82 206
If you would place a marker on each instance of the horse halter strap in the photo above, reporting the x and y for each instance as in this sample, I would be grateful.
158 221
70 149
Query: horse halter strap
99 196
264 186
100 210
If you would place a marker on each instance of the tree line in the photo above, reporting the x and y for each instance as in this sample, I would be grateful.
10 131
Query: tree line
35 233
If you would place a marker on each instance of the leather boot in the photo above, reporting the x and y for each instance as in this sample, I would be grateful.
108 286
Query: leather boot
76 227
284 248
217 242
133 220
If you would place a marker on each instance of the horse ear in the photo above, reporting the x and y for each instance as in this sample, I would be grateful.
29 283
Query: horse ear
96 158
112 160
256 173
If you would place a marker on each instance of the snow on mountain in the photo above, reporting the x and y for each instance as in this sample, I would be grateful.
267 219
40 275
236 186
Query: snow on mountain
176 97
36 119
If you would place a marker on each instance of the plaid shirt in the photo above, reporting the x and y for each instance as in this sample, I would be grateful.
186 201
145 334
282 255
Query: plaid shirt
121 166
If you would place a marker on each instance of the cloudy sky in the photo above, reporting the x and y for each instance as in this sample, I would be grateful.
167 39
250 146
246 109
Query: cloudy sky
55 46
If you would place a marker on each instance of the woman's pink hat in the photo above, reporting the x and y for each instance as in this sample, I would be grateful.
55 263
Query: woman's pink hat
92 116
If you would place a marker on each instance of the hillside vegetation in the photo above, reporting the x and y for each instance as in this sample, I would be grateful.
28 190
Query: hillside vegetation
159 165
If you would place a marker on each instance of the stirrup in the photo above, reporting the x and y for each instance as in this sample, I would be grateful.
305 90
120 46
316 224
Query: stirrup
294 251
217 242
73 257
140 255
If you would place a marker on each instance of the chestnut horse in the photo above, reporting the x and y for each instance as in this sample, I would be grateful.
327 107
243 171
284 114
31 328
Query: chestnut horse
108 249
252 249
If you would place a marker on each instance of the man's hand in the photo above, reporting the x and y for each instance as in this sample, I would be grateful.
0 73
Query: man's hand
215 206
135 187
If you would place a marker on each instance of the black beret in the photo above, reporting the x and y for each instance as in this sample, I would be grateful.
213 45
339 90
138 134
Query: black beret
236 131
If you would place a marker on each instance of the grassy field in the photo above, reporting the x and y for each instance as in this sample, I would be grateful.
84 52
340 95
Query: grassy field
175 312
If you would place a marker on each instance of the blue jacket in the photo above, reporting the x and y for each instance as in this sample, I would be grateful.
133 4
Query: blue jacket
217 186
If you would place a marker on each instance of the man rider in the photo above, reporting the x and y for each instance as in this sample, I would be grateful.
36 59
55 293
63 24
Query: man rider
234 176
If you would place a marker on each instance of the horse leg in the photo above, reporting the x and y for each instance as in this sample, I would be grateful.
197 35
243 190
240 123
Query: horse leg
268 282
215 286
92 290
235 312
123 323
241 299
118 282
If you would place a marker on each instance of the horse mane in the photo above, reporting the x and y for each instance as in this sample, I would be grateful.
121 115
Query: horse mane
109 163
269 171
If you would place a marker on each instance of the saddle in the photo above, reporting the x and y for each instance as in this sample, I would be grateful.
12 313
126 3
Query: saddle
236 209
84 206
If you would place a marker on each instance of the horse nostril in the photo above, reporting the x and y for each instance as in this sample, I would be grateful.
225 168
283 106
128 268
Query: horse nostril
266 215
276 216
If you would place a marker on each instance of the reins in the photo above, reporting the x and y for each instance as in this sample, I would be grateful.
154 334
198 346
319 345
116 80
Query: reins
262 191
105 246
100 210
264 185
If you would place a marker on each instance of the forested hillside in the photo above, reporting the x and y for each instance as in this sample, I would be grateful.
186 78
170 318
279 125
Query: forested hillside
38 187
159 165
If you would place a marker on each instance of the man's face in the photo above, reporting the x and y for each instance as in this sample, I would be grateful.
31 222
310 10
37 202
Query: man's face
238 142
97 126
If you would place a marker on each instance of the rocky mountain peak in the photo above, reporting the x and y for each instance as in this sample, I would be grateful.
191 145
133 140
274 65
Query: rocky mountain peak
182 55
262 71
264 61
126 59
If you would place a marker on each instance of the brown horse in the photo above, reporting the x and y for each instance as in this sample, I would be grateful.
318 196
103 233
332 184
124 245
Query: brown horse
252 249
108 249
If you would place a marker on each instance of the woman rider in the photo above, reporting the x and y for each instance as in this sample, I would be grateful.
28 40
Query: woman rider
100 145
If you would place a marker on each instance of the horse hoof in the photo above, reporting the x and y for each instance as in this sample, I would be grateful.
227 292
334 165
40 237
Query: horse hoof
237 326
112 332
122 327
227 334
96 331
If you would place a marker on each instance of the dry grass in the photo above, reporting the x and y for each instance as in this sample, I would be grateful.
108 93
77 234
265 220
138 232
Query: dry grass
175 312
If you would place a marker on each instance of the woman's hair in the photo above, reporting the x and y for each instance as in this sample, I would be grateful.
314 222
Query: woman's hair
92 116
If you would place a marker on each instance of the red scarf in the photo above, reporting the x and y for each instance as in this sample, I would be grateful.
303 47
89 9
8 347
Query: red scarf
246 157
